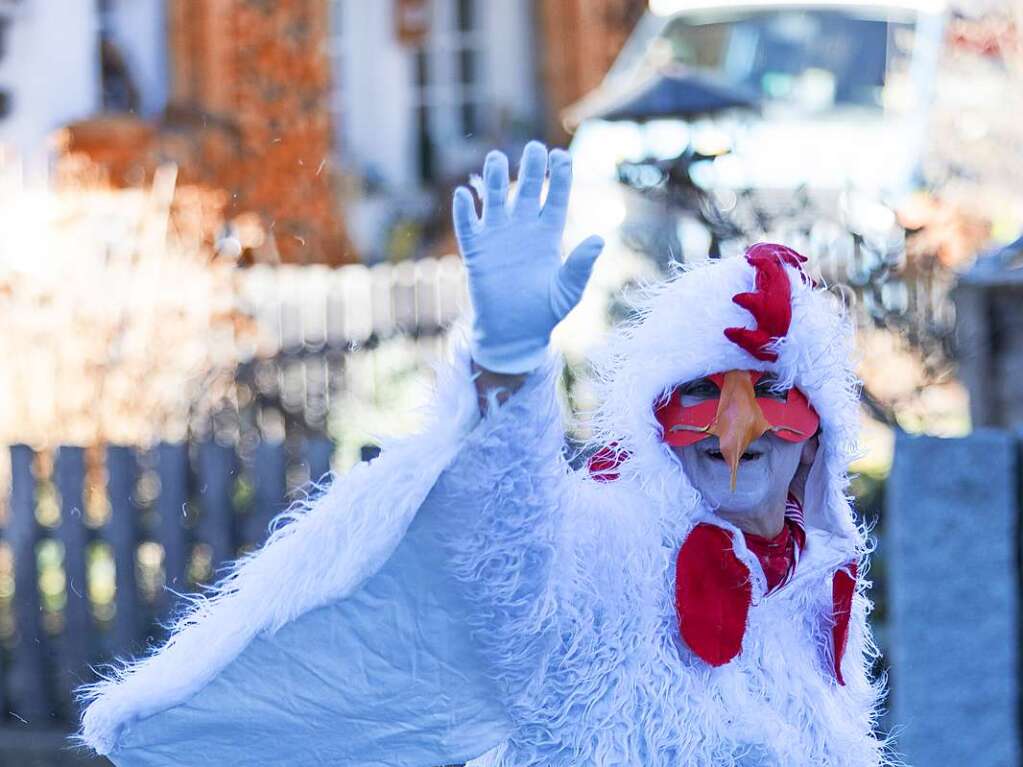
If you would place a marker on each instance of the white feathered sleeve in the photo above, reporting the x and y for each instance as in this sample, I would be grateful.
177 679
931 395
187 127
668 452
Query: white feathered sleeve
509 484
393 620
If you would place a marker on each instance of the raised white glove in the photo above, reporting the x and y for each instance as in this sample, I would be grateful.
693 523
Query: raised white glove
519 287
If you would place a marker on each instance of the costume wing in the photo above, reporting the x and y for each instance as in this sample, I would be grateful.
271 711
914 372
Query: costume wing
342 641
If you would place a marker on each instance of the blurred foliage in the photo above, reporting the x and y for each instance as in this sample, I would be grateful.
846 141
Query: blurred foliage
117 310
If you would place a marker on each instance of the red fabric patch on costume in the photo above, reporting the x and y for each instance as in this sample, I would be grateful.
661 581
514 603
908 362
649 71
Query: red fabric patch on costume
712 595
603 464
713 591
843 586
778 555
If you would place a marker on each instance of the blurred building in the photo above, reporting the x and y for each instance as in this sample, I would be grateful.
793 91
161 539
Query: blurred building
342 124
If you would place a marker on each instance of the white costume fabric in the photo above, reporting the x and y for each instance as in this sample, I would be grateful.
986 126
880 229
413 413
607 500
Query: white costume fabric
467 595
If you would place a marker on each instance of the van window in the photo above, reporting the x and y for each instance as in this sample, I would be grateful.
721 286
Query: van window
816 59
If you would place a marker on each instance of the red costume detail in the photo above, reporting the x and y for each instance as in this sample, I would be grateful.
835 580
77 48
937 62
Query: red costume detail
603 464
712 595
793 419
778 555
783 253
843 586
770 303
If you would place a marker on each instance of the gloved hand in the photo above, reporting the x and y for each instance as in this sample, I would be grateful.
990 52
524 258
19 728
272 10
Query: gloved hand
518 285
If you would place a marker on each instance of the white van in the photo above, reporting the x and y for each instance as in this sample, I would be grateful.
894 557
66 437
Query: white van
844 87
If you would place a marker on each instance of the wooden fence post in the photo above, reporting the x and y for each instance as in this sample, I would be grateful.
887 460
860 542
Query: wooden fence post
121 532
170 504
28 682
270 496
217 470
69 471
318 452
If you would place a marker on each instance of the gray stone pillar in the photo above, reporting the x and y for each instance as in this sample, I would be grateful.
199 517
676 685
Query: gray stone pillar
950 551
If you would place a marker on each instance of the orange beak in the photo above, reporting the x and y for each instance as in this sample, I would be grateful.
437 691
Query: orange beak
739 419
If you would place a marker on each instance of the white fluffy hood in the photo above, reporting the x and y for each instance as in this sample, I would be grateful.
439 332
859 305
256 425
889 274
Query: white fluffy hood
677 335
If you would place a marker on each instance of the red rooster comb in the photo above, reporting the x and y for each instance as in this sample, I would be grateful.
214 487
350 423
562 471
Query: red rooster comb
770 303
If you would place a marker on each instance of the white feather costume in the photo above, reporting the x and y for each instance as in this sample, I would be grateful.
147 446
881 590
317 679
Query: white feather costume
467 595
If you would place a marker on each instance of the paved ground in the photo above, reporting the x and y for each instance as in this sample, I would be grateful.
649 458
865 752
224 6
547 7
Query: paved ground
41 748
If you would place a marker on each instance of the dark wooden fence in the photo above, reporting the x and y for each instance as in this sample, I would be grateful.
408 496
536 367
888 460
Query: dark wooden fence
87 581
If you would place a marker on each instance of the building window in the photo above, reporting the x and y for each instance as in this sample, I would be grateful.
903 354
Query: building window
424 144
120 93
5 94
446 107
451 99
469 74
5 28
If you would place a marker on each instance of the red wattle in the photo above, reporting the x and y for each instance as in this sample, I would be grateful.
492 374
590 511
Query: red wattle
843 586
712 595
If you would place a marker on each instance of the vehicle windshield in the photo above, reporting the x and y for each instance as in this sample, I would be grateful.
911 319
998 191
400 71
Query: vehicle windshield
813 59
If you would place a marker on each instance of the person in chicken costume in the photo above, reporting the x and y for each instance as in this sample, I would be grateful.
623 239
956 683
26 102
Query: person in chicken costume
690 598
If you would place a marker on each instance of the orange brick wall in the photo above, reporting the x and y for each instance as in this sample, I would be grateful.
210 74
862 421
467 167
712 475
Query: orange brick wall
257 73
579 41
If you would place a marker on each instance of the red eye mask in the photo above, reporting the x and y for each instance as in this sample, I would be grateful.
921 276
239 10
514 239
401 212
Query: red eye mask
793 419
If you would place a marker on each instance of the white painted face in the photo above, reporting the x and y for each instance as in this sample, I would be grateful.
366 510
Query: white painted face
765 471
